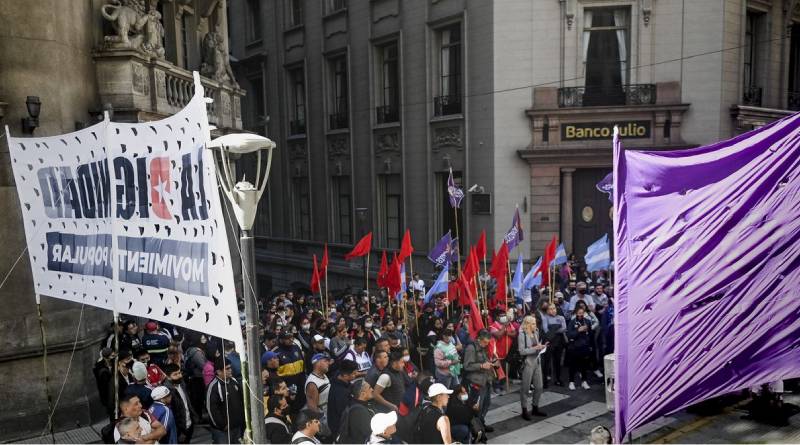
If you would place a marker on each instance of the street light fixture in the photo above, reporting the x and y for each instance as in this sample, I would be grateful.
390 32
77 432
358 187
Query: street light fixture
34 107
244 197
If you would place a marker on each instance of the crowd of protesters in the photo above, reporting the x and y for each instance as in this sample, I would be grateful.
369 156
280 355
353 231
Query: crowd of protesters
358 367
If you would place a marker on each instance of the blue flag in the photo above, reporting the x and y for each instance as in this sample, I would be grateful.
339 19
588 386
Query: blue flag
598 255
533 278
439 286
454 192
606 185
561 255
515 233
516 282
454 253
403 285
440 254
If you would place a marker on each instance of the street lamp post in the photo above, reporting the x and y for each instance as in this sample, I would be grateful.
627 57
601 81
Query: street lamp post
244 198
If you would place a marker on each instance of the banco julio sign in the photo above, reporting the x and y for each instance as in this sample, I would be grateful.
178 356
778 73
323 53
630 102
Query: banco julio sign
587 131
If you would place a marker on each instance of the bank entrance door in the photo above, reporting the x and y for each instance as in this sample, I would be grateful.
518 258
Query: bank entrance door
591 210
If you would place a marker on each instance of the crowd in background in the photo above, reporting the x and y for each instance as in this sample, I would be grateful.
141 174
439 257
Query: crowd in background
363 368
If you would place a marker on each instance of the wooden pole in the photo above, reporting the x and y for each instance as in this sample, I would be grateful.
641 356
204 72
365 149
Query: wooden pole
366 280
455 212
327 294
414 293
485 297
46 374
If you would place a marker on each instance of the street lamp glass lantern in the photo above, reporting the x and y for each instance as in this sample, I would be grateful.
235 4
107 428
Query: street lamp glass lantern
243 195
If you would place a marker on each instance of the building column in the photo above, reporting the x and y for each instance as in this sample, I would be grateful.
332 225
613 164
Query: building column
566 208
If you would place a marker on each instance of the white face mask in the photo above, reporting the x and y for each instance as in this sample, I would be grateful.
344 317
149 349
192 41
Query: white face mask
503 319
306 327
406 358
464 397
368 325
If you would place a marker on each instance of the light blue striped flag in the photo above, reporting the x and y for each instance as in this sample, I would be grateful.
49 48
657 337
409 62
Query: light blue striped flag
516 282
598 255
439 286
533 278
561 255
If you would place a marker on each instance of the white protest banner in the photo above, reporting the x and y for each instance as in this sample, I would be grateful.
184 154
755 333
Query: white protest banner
127 217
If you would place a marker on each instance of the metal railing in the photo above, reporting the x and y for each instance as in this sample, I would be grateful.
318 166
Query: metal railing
338 120
634 94
752 96
387 114
445 105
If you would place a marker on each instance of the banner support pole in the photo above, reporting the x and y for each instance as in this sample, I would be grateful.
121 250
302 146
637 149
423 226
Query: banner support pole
44 366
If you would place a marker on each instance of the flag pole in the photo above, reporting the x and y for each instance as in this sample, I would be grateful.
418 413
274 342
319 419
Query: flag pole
485 297
510 287
327 294
366 280
414 293
455 212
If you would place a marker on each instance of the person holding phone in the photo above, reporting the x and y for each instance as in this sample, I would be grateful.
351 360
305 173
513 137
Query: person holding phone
530 349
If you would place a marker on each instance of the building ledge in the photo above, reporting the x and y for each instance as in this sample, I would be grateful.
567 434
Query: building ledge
754 117
599 110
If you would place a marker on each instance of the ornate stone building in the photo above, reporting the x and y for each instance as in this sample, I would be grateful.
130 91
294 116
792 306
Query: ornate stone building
374 100
61 65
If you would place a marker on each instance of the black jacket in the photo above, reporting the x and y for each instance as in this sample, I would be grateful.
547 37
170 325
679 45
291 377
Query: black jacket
277 429
338 399
459 412
579 342
222 405
179 408
355 426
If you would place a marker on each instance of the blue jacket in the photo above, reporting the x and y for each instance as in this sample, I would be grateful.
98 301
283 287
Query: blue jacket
165 416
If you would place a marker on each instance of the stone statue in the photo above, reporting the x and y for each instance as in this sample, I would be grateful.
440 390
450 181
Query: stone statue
216 64
127 16
136 27
153 32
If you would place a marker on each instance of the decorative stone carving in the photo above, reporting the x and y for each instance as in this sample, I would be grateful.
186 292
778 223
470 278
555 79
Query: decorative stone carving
647 9
297 150
237 107
226 105
337 146
140 81
447 137
136 27
161 84
216 64
387 143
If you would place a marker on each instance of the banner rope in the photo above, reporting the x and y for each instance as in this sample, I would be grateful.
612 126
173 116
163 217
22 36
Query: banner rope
66 376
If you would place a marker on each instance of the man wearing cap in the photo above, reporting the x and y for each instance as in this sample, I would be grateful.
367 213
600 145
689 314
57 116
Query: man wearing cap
339 396
290 367
434 425
139 386
480 373
276 424
383 425
318 386
317 347
161 411
225 404
155 342
308 425
354 424
358 354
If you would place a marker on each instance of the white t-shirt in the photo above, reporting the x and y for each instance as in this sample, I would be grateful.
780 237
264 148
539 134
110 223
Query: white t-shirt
144 424
308 440
384 381
418 285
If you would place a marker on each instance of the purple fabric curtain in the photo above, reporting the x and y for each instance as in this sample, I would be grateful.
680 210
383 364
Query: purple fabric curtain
707 269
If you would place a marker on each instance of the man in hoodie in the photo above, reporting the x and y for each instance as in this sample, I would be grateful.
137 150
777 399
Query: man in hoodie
225 404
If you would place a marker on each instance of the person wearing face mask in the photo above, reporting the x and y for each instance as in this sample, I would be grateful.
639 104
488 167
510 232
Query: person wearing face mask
305 336
579 348
461 410
185 417
581 295
503 335
554 328
447 360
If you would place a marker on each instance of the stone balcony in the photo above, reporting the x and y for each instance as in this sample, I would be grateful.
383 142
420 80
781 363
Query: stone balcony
143 88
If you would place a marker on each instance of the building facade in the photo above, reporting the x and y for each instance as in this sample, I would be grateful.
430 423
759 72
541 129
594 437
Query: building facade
75 63
371 103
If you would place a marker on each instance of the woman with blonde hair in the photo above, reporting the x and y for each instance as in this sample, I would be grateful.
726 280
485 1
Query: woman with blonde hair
530 348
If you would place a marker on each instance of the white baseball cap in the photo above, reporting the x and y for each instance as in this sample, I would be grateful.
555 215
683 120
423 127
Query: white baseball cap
159 392
438 388
381 421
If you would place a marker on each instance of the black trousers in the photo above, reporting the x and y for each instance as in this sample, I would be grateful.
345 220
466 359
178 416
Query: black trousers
579 360
552 362
197 395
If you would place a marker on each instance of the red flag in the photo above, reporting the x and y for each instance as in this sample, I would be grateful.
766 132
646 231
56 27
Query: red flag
471 268
323 266
500 263
549 256
383 271
406 249
480 249
362 247
315 277
394 280
465 295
